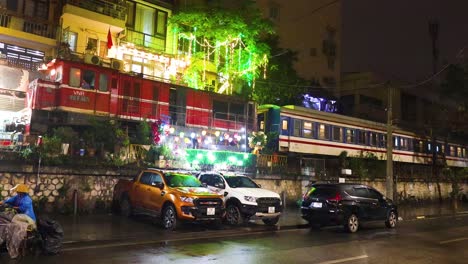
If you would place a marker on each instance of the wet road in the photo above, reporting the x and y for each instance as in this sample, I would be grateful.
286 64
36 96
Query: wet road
438 240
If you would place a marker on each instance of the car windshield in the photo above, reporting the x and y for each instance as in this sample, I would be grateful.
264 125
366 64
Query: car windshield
240 182
182 180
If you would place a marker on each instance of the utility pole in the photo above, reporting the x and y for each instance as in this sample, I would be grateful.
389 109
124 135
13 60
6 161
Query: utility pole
389 178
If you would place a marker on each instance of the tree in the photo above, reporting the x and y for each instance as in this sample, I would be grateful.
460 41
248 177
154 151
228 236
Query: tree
227 42
282 85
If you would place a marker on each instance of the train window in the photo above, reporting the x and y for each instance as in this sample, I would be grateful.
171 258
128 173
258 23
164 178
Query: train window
75 77
88 79
382 140
324 131
236 109
459 152
297 128
362 137
307 131
452 151
56 75
262 125
350 135
395 142
284 124
464 152
429 147
404 143
372 138
103 82
337 134
442 149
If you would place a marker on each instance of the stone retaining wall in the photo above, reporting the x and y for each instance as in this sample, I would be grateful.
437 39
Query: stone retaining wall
54 188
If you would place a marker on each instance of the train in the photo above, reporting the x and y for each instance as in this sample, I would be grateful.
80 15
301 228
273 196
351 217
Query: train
305 131
70 92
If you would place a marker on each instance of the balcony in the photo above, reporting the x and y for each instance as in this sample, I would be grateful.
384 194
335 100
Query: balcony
30 25
112 8
144 40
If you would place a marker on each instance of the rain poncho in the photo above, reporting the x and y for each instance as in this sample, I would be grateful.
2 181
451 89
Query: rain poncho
15 232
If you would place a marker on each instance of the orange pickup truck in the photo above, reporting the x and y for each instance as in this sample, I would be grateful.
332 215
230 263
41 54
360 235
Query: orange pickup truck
171 196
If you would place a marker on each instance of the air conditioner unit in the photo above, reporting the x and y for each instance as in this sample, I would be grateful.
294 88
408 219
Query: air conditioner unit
92 59
117 64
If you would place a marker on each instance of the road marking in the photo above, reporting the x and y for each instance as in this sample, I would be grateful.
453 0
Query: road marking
453 240
344 260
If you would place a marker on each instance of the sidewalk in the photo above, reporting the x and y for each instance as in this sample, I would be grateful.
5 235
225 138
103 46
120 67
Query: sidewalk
108 227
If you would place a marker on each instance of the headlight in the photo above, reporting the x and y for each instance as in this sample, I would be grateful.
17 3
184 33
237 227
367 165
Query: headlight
249 199
186 199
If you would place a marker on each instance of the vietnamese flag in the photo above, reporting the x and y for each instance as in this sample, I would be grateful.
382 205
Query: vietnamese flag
109 40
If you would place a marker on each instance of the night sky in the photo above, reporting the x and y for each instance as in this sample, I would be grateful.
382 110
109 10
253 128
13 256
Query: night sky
391 38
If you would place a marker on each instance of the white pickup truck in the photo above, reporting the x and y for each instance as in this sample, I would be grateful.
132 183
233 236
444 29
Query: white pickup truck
244 199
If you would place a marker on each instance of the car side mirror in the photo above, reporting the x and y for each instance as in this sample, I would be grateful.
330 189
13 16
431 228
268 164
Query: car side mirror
225 194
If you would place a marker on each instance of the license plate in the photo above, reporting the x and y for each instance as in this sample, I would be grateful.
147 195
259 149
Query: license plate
271 209
316 205
210 211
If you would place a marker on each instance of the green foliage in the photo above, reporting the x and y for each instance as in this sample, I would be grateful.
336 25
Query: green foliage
162 150
215 33
51 146
66 134
143 133
367 165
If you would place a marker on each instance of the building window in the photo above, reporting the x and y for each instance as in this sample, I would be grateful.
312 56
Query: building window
262 125
307 129
274 13
72 40
102 49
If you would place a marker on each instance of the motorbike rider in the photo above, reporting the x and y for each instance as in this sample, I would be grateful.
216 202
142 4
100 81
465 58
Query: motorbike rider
21 202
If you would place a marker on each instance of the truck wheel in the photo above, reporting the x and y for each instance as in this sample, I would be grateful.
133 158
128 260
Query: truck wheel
233 215
126 207
271 221
170 221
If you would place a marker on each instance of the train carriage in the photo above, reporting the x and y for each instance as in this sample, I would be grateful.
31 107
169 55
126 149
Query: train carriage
73 91
310 132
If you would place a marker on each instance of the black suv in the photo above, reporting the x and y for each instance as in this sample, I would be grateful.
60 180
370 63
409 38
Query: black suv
347 204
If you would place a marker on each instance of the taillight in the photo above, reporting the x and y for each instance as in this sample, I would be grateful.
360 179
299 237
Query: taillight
336 199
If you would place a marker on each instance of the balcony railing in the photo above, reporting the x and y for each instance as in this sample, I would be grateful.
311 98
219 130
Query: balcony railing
29 25
22 64
145 40
113 8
